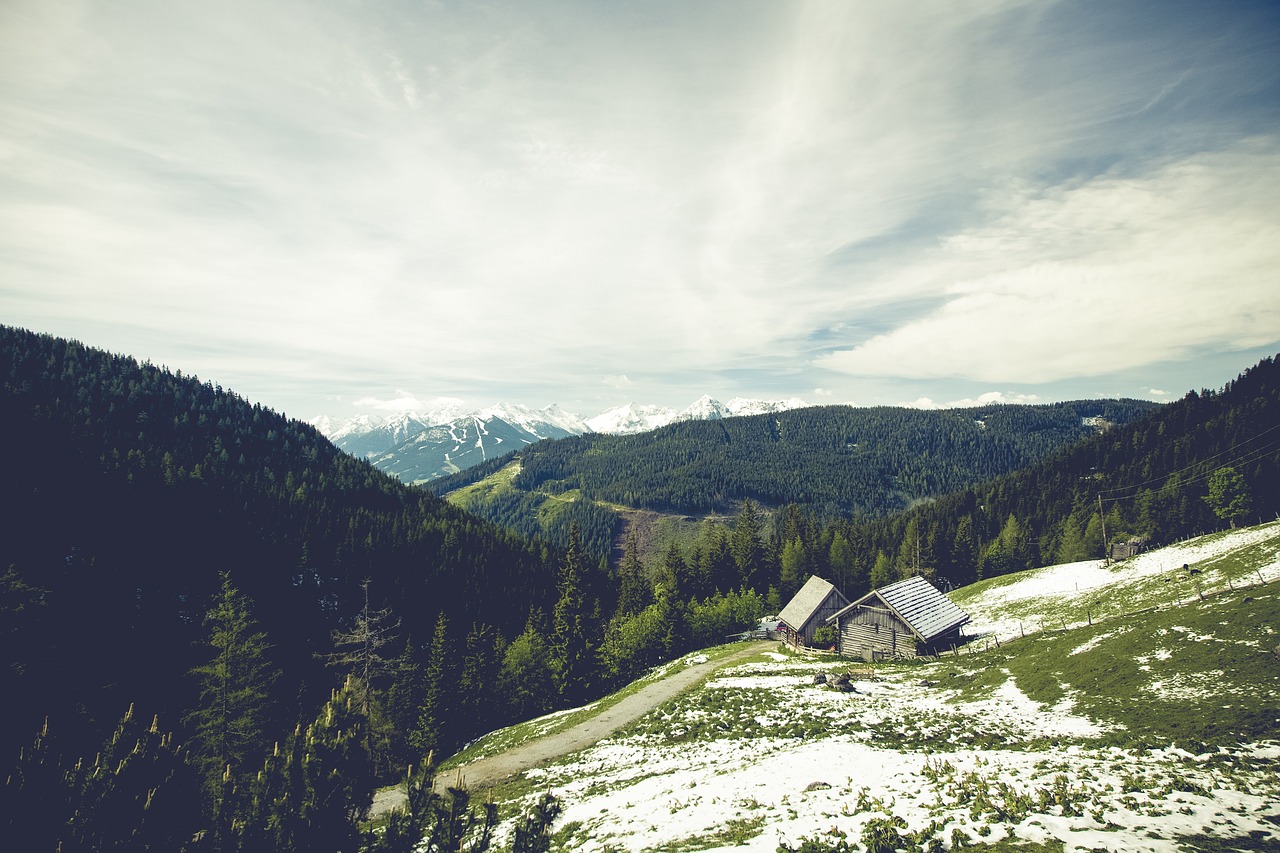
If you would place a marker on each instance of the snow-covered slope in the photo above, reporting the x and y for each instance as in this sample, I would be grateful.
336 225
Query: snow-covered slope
632 418
1073 594
469 440
1150 729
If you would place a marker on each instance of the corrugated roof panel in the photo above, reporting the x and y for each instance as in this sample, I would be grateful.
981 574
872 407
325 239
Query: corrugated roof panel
923 607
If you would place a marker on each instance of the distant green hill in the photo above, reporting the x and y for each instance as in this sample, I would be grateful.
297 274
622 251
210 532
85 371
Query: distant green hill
1148 479
835 461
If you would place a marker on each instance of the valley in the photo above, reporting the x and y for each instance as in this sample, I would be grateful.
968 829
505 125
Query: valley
180 563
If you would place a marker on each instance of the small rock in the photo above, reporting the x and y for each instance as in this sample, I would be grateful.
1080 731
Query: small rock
817 786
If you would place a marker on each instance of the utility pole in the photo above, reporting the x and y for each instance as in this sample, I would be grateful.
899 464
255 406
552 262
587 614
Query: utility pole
1106 549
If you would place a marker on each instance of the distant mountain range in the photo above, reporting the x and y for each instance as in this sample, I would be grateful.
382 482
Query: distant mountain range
420 446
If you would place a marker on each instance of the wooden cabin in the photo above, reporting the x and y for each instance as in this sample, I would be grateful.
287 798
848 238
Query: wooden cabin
909 618
808 610
1131 547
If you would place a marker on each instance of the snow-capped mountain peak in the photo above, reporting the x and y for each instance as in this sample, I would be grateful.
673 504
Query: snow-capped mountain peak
739 406
544 423
418 446
630 418
705 408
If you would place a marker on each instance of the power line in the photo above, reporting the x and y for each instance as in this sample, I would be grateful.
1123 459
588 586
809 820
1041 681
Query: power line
1253 455
1193 465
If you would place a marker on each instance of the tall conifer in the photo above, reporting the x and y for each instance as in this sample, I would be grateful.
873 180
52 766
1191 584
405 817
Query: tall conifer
231 725
570 646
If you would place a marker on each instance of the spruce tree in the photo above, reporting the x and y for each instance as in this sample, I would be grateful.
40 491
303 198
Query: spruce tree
964 551
431 732
477 677
230 726
571 653
747 547
359 651
634 592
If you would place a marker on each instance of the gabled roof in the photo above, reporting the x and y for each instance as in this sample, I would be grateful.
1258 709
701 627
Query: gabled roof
916 602
801 608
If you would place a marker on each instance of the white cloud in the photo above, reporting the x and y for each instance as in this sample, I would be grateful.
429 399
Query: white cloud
481 199
619 382
1110 275
404 401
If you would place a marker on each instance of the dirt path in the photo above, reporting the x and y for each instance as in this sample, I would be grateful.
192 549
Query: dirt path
535 753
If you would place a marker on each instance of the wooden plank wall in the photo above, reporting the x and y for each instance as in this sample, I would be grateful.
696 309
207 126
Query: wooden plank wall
831 605
873 633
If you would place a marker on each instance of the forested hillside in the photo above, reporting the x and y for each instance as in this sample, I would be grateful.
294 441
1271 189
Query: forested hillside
836 462
129 490
220 631
1207 461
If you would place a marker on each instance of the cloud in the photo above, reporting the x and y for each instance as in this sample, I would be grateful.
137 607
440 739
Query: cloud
619 382
1156 392
483 199
822 392
1112 274
404 401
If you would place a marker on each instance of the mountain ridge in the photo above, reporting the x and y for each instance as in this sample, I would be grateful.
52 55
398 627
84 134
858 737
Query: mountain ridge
418 447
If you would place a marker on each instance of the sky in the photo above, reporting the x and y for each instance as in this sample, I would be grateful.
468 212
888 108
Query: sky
335 208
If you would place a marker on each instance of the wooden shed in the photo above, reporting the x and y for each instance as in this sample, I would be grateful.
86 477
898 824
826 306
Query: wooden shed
808 610
905 619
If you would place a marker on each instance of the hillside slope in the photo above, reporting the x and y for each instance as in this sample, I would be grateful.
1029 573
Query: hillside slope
1147 479
835 461
1149 731
129 490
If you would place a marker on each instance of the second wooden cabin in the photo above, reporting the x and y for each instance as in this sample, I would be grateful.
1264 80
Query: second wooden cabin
909 618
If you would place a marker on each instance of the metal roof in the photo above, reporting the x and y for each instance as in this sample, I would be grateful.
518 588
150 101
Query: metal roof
919 604
801 608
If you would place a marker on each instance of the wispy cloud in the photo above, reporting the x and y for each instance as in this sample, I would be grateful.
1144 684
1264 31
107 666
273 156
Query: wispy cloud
514 200
1116 273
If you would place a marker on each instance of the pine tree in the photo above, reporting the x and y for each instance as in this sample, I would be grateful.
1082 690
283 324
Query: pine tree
231 725
335 787
358 651
747 547
634 592
964 551
431 732
570 646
